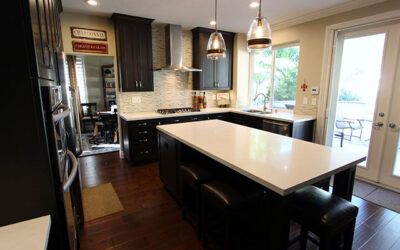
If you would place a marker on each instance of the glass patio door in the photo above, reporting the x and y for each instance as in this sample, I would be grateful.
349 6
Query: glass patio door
363 76
390 167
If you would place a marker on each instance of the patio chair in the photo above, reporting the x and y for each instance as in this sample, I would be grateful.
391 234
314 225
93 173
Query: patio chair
353 125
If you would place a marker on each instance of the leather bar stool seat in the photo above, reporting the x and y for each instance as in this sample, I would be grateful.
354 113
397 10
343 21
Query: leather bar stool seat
231 214
326 215
192 176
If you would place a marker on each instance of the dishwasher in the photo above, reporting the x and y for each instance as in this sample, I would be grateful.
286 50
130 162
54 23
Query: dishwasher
276 127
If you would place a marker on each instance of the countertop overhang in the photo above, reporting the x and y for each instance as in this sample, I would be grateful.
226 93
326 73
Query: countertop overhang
30 234
280 163
285 117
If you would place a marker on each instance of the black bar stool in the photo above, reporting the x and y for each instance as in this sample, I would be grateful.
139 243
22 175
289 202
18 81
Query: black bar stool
192 176
326 215
231 214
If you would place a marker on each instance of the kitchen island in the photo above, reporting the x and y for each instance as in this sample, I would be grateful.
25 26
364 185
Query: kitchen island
280 164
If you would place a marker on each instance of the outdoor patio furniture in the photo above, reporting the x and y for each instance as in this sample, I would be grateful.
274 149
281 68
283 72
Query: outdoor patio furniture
353 125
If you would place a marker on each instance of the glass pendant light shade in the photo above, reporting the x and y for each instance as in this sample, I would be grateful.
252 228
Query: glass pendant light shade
259 35
216 46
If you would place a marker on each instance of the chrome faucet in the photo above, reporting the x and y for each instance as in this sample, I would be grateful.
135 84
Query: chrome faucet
265 101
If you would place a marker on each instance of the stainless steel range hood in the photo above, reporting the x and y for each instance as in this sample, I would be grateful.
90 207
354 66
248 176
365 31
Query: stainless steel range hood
173 44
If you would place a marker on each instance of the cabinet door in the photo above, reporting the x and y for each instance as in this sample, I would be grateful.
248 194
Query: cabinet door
223 69
168 163
146 58
127 54
203 80
134 52
42 31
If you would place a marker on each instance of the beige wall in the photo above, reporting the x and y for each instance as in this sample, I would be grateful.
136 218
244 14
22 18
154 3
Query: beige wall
69 20
241 60
312 38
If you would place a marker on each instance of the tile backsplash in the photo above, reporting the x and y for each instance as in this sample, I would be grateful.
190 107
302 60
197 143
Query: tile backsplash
171 89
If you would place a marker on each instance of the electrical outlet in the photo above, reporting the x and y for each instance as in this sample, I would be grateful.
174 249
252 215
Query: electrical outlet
136 99
305 100
314 101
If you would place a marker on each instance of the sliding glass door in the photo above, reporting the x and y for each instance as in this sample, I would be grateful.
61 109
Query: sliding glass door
363 103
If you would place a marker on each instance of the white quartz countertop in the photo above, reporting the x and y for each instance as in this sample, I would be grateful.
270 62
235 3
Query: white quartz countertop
30 234
280 163
286 117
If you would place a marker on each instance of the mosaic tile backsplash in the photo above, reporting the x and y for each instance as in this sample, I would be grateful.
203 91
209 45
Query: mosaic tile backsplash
171 90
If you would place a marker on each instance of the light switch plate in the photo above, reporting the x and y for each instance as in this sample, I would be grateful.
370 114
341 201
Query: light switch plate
314 101
305 100
136 99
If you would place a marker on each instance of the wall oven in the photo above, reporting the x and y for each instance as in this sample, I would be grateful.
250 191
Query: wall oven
64 162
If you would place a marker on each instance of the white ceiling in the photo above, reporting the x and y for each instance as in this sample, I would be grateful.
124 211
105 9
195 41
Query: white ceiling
233 15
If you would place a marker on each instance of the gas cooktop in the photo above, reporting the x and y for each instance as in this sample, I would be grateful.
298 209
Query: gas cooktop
176 110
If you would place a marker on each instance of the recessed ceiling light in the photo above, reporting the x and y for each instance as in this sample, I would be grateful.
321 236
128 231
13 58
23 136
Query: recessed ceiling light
91 2
254 4
213 22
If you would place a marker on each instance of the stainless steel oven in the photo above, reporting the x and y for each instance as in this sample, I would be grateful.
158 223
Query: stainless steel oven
64 162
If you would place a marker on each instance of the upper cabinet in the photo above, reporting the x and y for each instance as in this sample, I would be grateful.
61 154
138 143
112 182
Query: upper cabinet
134 52
47 36
216 75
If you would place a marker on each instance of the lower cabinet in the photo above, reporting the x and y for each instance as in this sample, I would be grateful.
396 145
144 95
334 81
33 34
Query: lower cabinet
141 143
168 149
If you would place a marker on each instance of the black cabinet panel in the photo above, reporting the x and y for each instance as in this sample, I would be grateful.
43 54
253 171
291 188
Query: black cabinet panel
45 31
134 52
215 75
168 163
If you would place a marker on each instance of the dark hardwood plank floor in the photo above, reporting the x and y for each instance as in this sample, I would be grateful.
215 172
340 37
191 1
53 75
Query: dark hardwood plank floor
151 219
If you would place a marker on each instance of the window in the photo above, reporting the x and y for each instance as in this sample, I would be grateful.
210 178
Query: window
81 78
274 73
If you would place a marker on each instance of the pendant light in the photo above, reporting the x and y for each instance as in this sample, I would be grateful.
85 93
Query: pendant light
216 45
259 35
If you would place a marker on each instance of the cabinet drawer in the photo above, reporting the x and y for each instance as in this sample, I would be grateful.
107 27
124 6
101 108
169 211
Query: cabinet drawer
144 152
143 124
141 140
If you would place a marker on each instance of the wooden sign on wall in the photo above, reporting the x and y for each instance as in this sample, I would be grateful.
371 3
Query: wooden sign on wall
90 47
91 34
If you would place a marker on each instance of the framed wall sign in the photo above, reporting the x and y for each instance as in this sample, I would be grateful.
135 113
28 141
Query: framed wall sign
90 47
91 34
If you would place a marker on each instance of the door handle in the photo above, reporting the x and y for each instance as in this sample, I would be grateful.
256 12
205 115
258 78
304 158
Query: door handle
378 125
74 170
394 127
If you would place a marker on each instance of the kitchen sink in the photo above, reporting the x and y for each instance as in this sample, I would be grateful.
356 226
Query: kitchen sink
252 111
256 111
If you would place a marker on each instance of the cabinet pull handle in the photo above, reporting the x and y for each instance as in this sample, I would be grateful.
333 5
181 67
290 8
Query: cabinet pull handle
137 85
144 152
142 132
194 119
177 120
142 124
144 140
140 84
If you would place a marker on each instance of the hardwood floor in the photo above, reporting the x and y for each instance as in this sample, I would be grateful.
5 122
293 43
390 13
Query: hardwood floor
151 219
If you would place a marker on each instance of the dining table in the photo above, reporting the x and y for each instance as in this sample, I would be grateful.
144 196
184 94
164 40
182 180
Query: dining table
282 165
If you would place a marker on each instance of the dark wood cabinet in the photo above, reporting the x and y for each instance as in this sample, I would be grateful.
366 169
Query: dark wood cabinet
140 140
134 52
215 75
47 36
168 158
246 120
140 137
